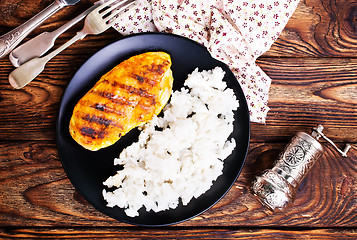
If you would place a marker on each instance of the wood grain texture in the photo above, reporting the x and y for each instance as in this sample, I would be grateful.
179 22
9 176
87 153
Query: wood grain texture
319 28
307 92
14 14
184 233
36 192
313 66
304 93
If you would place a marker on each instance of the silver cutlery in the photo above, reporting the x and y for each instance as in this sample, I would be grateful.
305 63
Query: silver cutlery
39 45
11 39
96 22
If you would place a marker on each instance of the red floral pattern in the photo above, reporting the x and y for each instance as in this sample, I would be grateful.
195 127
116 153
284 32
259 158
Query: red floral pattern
235 32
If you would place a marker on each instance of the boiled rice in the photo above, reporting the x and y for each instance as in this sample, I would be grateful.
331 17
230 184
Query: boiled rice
180 155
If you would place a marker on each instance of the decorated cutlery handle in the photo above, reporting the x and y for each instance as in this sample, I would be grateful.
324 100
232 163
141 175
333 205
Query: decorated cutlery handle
39 45
28 71
11 39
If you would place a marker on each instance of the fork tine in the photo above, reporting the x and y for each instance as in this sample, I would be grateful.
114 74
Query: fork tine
104 5
114 7
118 11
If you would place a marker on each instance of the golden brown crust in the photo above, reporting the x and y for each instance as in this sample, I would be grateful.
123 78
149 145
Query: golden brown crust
125 97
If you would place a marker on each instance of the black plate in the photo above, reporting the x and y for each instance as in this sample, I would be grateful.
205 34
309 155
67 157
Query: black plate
87 170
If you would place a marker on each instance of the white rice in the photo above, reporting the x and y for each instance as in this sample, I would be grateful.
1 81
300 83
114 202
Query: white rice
183 158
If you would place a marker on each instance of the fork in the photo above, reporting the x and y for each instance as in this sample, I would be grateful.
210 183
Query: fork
40 44
96 22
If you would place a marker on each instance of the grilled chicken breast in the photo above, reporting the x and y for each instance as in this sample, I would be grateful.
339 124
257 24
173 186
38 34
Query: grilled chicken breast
124 98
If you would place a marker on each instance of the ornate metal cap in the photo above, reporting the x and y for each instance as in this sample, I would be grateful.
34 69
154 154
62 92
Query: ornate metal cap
276 187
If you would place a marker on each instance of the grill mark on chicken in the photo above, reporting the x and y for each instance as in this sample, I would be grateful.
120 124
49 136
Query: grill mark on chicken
130 89
100 120
112 97
92 133
100 107
140 78
158 68
139 92
106 109
125 97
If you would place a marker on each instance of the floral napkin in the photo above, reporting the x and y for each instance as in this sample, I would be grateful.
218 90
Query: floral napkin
235 32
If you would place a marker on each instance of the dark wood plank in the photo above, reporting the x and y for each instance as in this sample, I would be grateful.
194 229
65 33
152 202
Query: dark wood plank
315 100
319 28
35 106
180 233
304 93
14 14
313 66
36 192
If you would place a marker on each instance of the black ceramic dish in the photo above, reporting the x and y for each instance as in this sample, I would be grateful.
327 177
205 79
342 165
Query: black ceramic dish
87 170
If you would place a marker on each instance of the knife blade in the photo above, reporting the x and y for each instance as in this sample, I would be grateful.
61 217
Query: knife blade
11 39
69 2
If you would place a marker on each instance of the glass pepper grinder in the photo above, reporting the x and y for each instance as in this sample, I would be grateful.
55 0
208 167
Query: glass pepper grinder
276 188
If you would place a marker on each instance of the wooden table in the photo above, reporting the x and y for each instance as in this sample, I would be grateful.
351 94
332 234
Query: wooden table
314 70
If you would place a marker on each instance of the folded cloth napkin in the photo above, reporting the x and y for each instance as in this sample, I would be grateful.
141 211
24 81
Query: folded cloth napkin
235 32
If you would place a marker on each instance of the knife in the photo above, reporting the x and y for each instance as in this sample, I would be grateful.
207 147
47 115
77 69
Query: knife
39 45
11 39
